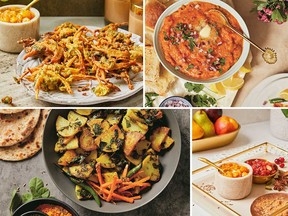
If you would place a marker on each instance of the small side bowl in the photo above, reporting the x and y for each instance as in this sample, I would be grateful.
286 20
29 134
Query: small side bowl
215 141
168 102
10 33
263 179
32 205
234 188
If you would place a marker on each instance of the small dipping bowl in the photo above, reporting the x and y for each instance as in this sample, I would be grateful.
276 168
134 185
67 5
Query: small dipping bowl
26 208
10 33
262 179
234 188
175 101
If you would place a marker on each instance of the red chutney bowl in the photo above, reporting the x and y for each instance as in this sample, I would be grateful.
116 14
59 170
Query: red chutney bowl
263 170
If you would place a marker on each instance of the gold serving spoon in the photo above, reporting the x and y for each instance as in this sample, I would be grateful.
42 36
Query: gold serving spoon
269 55
280 210
205 160
30 5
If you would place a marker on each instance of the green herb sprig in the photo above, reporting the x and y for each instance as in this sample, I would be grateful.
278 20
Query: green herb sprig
37 190
200 100
150 97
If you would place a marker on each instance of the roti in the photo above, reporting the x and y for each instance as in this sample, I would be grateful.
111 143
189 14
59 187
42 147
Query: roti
268 204
30 146
10 111
15 128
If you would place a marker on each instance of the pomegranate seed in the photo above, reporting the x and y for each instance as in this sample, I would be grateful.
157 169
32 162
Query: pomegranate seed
281 159
282 165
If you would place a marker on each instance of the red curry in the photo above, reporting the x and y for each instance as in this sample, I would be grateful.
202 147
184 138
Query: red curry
197 43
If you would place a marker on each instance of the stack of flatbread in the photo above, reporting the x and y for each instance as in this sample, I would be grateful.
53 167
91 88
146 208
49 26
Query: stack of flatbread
157 78
21 132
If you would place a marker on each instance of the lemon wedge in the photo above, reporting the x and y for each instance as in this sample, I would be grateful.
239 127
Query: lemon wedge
233 84
246 68
218 88
284 94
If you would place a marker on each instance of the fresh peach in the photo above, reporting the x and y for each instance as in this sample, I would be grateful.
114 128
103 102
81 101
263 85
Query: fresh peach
225 124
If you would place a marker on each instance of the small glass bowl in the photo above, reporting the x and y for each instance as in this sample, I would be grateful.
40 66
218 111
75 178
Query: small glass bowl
175 101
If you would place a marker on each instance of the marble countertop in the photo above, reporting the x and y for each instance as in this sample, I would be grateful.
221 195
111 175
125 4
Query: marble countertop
250 135
174 198
8 87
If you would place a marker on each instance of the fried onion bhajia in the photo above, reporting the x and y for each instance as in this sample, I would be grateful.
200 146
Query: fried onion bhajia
72 53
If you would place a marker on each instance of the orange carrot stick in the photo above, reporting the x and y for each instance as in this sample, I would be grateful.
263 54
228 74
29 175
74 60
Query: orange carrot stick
114 195
136 197
136 174
105 185
113 187
134 184
125 171
98 171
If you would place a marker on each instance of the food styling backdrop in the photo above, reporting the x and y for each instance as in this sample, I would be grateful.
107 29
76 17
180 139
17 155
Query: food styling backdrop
175 198
65 7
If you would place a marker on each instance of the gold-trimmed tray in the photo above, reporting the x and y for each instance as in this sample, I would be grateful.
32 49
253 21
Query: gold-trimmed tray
204 192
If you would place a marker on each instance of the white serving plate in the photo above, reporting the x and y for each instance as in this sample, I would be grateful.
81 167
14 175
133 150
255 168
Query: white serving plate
267 89
77 98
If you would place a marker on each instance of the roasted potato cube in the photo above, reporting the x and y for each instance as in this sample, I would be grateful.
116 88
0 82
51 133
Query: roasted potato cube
150 151
67 158
65 128
105 161
98 126
168 142
113 119
82 194
84 112
60 147
132 114
87 142
142 147
150 166
131 140
158 137
76 119
130 126
111 140
109 176
91 157
82 171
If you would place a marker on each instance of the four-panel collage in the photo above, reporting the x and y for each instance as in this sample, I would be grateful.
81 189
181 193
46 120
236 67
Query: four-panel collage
143 107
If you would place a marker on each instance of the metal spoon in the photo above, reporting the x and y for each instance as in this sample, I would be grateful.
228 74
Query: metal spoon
30 5
269 55
280 210
205 160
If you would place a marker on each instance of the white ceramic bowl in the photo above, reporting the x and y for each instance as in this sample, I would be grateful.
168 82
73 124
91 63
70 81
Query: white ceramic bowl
234 188
10 33
170 68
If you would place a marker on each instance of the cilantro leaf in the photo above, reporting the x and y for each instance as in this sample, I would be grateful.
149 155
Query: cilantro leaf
194 87
192 43
222 61
285 112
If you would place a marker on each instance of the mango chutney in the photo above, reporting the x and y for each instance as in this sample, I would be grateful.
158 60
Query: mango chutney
16 15
234 170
